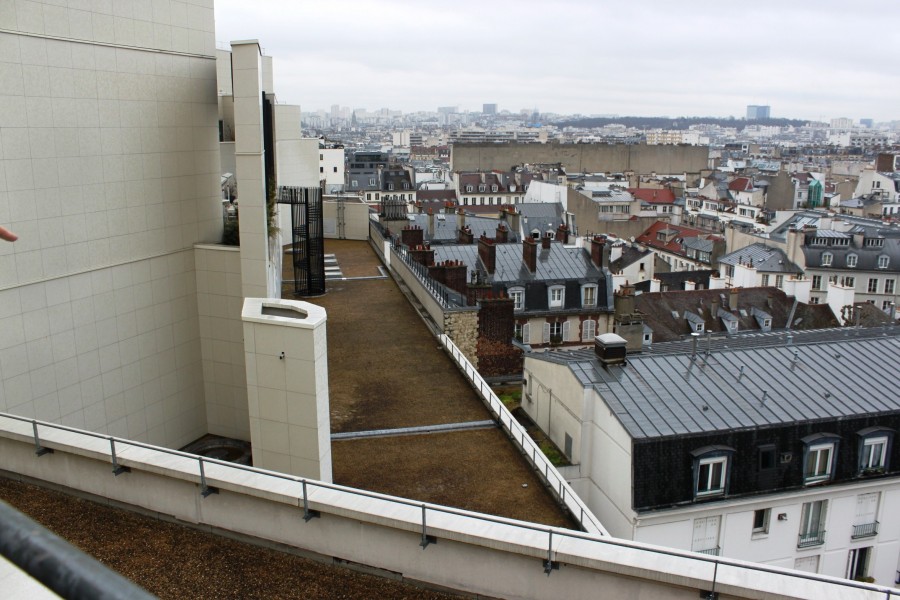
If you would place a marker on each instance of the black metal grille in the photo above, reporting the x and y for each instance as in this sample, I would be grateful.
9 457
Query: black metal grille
307 239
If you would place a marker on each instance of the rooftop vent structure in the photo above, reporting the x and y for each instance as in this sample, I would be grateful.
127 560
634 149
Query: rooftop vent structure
610 349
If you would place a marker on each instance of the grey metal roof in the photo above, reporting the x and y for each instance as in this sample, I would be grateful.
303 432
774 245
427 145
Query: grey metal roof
765 259
445 230
559 263
758 386
696 243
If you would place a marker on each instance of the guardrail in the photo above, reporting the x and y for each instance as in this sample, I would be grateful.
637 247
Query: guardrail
442 295
32 428
560 487
58 565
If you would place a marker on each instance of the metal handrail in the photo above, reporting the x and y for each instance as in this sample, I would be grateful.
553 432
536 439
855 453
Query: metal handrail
531 450
58 565
811 538
865 530
424 507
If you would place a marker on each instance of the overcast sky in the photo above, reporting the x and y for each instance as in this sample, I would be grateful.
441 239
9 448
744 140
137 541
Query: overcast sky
806 59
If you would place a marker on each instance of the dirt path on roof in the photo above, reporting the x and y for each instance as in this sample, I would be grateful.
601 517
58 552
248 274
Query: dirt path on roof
386 370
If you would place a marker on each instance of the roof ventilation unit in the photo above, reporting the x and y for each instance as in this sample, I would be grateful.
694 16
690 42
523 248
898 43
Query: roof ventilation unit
610 349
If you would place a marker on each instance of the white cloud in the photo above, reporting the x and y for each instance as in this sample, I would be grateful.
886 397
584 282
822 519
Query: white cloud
652 57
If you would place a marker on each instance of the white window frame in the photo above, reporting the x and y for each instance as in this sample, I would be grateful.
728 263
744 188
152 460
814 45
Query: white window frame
763 529
817 282
872 287
779 281
852 260
868 454
518 297
587 290
883 261
706 473
556 296
764 282
889 286
588 330
810 527
814 453
827 257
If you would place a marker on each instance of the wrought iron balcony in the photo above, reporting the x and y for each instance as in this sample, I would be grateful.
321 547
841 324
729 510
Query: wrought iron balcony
866 530
711 551
812 538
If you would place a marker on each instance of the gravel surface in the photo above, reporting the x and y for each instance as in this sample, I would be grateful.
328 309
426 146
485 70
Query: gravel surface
174 561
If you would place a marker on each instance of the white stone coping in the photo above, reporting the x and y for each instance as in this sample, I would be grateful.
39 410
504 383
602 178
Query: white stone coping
309 316
604 554
224 247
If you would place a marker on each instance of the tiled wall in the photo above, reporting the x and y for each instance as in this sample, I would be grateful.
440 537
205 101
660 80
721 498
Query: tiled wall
115 350
219 301
109 173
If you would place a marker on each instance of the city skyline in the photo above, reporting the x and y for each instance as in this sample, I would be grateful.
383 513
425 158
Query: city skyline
647 59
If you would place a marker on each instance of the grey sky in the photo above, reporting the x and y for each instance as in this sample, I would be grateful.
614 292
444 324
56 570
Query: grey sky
808 60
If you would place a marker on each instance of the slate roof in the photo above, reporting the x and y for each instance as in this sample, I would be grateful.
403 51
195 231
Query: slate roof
630 255
764 258
658 396
445 229
659 310
674 280
555 264
679 233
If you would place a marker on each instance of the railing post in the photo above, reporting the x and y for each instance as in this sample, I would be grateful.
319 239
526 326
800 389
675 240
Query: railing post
205 490
548 564
307 514
117 469
426 539
38 449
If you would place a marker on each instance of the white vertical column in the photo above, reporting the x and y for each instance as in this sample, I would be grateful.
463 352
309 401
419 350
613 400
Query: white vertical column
249 160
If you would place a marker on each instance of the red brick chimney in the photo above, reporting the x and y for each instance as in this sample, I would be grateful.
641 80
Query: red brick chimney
529 253
487 251
451 273
465 235
597 246
412 236
562 233
422 254
502 234
545 241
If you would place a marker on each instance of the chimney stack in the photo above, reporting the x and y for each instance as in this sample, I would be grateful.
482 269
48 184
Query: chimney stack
512 217
430 223
597 246
529 254
487 251
623 301
465 235
733 299
562 233
545 241
460 219
412 236
502 234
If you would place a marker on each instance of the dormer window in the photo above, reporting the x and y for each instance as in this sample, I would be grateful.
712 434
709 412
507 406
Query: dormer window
556 296
819 457
827 257
481 188
851 260
493 188
469 188
518 297
874 450
711 470
588 296
390 186
883 261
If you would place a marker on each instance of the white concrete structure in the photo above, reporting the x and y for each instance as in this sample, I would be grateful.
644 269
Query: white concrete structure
287 386
110 175
331 168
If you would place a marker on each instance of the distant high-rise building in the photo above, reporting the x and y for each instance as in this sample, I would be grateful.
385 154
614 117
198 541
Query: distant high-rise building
867 123
842 123
448 110
757 112
489 109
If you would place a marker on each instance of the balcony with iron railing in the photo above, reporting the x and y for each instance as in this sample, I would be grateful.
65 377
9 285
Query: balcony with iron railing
710 551
811 538
865 530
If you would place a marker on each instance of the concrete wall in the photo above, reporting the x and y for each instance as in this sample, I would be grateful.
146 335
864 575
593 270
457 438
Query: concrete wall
351 222
219 301
582 158
472 553
110 175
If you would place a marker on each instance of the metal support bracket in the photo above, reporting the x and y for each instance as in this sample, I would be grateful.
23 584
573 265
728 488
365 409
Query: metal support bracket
205 490
38 449
308 514
550 565
426 539
117 468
